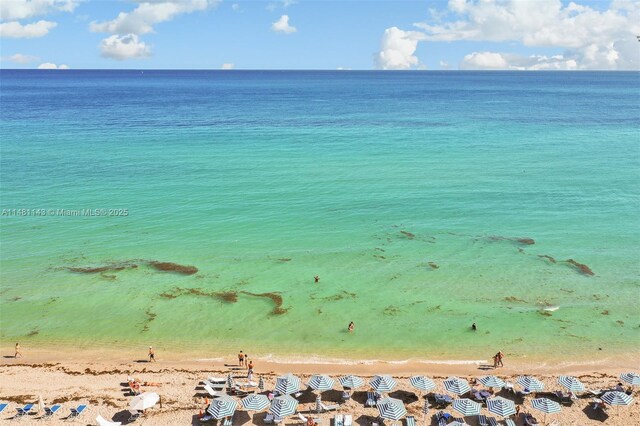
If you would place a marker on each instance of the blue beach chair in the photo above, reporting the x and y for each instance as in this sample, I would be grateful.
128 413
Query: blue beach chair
3 407
24 410
509 422
75 412
411 421
48 412
371 399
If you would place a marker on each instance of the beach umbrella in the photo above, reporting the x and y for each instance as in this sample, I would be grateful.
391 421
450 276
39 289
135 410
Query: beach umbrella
632 378
261 384
571 383
457 385
351 382
283 406
391 408
321 382
229 381
545 405
422 383
255 402
467 407
616 398
222 407
501 406
287 384
144 400
531 383
383 383
492 381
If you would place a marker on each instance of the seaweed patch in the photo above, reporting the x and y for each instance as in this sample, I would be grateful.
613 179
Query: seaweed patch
549 258
433 265
275 298
173 267
408 234
581 267
133 264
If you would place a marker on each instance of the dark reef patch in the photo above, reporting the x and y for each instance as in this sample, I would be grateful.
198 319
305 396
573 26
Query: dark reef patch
433 265
275 298
408 234
581 267
173 267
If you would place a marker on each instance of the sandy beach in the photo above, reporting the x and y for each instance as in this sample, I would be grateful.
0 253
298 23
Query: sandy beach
99 379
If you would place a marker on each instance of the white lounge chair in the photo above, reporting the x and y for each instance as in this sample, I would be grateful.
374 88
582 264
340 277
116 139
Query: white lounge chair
348 420
104 422
329 407
338 420
212 392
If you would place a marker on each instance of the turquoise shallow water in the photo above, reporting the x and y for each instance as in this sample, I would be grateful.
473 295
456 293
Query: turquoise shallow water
404 192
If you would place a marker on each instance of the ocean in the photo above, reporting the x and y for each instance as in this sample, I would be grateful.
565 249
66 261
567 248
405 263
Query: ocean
191 210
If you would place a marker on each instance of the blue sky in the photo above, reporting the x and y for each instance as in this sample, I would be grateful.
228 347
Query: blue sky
207 34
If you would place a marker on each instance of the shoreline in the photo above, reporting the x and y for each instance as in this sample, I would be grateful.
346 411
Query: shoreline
277 364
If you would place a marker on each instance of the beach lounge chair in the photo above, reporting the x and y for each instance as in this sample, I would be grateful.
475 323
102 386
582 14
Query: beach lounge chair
268 419
329 407
509 422
217 380
411 421
75 412
134 415
492 421
338 420
482 420
48 412
104 422
371 399
3 407
228 421
24 410
529 420
348 420
214 385
212 392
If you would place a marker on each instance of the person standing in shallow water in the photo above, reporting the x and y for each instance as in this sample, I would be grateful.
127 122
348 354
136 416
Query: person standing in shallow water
473 327
351 326
316 278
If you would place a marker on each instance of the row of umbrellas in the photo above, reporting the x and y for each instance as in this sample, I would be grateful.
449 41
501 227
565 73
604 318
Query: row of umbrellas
289 383
394 409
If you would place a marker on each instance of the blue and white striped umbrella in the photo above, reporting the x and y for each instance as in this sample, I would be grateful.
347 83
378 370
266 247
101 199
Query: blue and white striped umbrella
261 384
321 382
287 384
467 407
351 382
545 405
616 398
391 408
383 383
492 381
501 406
632 378
422 383
571 383
457 385
283 406
229 381
530 382
255 402
222 407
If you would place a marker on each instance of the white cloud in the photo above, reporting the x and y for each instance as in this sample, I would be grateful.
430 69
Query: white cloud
124 47
444 65
148 13
282 25
397 49
19 58
284 4
227 66
593 39
510 61
15 29
51 66
12 10
236 7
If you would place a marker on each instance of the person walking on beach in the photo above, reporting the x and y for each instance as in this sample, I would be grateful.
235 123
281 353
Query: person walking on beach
250 365
499 356
351 326
495 361
241 359
18 351
152 354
